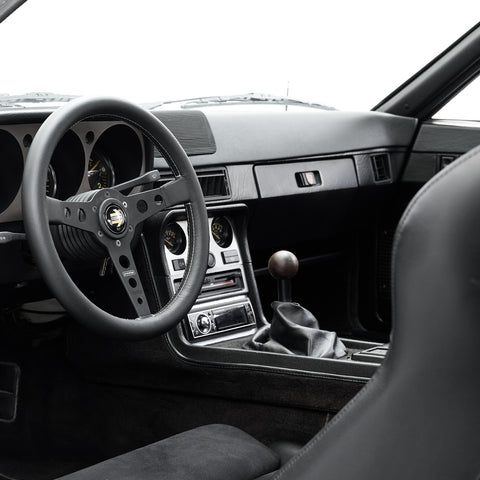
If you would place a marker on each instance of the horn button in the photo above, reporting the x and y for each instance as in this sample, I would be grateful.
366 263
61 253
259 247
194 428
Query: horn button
115 219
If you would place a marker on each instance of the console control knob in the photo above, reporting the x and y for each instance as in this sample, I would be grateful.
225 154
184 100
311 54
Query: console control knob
204 324
211 260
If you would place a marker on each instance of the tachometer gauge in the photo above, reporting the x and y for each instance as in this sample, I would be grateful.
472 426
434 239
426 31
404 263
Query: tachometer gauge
100 171
51 186
222 232
174 238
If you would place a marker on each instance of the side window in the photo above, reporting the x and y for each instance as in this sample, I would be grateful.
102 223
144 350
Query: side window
464 106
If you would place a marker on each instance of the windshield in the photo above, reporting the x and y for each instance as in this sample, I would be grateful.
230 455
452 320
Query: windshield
345 54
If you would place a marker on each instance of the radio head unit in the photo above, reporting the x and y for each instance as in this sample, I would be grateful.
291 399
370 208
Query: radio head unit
211 321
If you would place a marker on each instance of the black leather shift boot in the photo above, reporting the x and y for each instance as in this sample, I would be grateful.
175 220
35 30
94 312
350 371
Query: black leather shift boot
295 331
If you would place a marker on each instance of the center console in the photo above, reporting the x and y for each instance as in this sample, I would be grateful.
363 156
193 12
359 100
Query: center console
223 310
204 353
228 310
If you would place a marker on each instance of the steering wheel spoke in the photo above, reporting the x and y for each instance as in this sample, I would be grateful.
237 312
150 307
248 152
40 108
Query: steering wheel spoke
80 215
124 263
150 202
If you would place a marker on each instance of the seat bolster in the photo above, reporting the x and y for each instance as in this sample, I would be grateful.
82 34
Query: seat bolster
209 452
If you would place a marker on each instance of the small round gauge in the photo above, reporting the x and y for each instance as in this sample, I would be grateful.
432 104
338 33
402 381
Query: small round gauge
51 186
222 232
174 238
100 171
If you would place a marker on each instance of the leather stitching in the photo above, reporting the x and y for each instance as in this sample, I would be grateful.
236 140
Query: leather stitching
243 366
288 466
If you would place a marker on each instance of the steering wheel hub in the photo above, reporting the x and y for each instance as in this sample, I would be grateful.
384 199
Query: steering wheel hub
114 218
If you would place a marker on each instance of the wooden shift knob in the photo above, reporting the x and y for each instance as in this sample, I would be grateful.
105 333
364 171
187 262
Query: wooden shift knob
283 264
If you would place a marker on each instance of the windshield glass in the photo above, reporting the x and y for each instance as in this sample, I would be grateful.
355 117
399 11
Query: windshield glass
345 54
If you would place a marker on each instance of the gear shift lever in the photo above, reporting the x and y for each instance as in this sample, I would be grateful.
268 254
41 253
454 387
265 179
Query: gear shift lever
293 330
283 266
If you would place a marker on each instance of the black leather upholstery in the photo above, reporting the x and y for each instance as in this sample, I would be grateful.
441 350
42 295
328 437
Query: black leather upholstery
419 417
212 452
296 331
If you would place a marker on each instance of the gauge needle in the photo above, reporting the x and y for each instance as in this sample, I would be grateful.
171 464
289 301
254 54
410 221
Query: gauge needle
166 241
215 235
94 167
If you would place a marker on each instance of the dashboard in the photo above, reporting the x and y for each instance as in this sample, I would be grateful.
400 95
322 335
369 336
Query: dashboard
253 151
270 181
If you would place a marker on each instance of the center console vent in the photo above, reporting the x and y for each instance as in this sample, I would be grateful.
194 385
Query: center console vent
381 167
214 184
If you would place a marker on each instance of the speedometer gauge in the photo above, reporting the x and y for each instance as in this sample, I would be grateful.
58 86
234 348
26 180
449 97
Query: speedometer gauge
51 186
100 171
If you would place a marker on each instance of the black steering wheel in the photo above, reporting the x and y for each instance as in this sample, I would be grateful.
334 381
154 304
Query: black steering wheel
108 219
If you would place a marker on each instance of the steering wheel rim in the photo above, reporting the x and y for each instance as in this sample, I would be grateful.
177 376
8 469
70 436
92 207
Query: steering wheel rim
38 210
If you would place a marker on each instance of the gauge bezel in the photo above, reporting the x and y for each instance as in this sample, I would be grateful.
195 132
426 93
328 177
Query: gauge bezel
68 163
226 240
179 248
122 146
12 175
52 178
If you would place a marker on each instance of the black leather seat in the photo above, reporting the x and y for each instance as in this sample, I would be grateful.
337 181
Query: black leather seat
419 417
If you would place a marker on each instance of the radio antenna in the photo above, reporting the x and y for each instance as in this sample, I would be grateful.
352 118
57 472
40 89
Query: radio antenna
288 91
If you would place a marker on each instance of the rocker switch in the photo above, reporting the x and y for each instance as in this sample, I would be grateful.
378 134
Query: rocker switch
308 179
178 264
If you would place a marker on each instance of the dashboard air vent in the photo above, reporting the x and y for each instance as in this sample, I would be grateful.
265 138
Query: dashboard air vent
214 183
381 167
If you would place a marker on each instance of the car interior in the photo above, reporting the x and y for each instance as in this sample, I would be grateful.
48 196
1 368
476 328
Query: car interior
208 293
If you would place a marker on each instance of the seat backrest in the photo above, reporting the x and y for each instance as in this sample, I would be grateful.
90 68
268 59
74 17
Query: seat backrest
419 416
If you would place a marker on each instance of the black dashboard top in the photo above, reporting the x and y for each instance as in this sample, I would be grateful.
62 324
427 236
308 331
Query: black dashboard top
213 138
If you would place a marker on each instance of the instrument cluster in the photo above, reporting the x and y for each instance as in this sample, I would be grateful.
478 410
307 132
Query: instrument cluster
175 240
92 155
224 248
